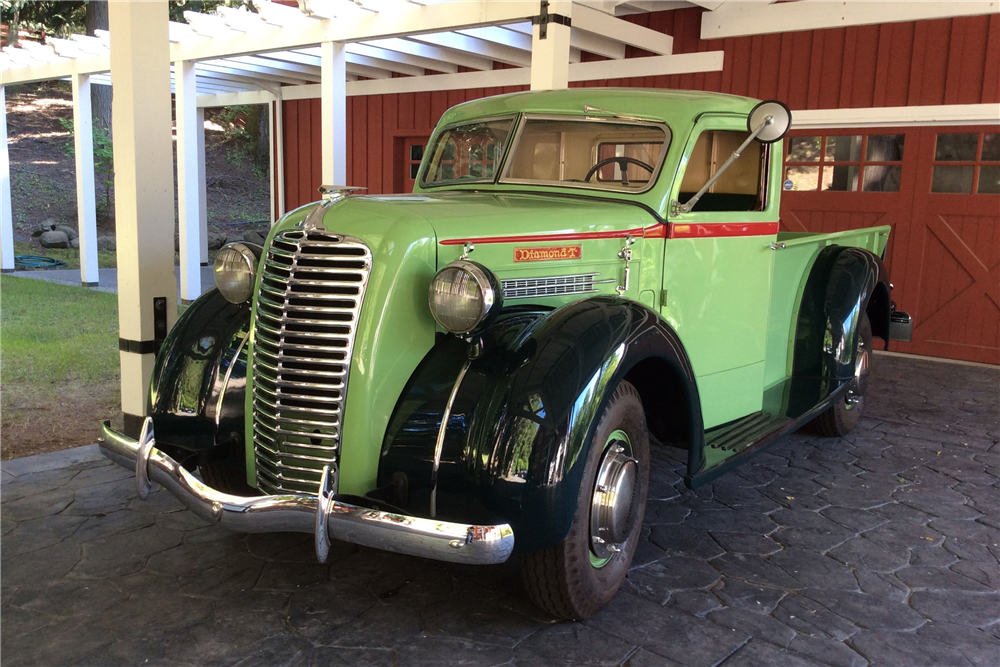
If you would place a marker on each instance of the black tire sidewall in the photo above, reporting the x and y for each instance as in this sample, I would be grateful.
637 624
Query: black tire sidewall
597 585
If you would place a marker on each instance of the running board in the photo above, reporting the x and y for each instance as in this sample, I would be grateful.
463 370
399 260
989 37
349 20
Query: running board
788 407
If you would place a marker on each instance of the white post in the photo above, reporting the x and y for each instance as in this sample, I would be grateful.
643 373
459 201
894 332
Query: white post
278 127
86 207
6 213
202 190
550 53
144 194
189 208
333 108
271 169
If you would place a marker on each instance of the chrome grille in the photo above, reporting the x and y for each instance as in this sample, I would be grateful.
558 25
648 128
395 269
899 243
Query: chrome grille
523 288
308 302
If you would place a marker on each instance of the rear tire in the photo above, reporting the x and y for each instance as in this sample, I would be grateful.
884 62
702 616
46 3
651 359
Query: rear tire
841 417
571 580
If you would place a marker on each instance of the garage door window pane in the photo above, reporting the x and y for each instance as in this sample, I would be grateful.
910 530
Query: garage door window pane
843 149
802 178
804 149
882 178
840 178
952 179
885 148
991 147
989 181
956 148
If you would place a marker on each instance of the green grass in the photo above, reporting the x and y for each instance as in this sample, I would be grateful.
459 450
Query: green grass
59 365
52 333
106 259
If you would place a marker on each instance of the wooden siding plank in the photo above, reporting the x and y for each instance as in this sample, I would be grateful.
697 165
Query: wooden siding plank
865 58
991 64
359 140
935 67
970 85
848 71
883 60
390 121
953 74
900 58
374 145
315 151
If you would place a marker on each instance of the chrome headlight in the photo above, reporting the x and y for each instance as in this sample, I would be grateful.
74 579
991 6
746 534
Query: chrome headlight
463 295
234 266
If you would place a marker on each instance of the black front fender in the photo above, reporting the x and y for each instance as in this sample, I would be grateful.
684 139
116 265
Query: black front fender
198 386
516 442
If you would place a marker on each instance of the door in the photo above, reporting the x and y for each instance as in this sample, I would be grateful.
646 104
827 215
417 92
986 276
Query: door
717 269
951 281
943 206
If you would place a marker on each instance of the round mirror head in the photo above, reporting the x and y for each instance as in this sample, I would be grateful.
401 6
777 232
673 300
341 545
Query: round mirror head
780 117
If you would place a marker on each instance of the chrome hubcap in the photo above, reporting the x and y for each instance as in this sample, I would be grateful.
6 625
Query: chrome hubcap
860 383
613 508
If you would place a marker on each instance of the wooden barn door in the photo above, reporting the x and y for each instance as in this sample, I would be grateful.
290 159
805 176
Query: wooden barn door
939 190
954 246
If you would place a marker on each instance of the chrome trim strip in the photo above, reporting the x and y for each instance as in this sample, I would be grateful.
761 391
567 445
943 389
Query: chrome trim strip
442 429
229 373
566 285
295 512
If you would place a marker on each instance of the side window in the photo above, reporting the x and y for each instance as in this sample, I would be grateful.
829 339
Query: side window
844 163
740 188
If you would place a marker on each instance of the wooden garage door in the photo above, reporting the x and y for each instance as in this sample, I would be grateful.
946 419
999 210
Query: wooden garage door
939 190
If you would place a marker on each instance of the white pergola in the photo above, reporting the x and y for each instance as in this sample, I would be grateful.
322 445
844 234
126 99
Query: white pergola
326 49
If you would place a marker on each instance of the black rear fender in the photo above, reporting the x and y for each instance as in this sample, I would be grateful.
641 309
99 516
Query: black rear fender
842 284
517 438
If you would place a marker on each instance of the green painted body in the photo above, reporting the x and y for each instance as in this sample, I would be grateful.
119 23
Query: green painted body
732 301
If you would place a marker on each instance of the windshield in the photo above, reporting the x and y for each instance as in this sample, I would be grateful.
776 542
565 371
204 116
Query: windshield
608 155
468 153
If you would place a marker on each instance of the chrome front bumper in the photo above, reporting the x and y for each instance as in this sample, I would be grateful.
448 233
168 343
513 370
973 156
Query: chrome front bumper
323 515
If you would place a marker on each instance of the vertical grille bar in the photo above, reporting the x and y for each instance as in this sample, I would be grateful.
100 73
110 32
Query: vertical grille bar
308 300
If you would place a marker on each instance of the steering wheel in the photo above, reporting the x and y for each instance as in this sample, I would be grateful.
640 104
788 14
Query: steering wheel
623 161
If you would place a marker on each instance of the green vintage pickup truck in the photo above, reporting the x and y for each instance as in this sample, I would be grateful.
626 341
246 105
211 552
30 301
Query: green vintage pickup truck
478 369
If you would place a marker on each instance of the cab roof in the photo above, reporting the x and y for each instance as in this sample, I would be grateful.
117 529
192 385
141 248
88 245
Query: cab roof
661 105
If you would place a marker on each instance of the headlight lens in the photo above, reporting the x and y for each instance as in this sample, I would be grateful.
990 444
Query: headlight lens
234 267
462 296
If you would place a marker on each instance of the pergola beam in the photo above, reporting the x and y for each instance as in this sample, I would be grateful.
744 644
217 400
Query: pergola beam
597 22
734 19
422 50
460 42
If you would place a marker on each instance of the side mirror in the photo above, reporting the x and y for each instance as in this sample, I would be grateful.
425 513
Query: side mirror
767 122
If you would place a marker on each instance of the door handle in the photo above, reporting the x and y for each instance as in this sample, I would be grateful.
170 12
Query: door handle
777 246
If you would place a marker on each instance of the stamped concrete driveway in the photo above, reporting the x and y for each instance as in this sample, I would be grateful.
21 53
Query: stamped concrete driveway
880 548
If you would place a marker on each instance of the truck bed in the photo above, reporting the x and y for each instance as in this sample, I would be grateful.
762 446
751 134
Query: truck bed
791 269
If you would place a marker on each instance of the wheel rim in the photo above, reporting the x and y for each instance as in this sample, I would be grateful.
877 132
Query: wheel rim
613 505
859 385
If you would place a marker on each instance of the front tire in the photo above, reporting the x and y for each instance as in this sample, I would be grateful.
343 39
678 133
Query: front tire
841 417
578 576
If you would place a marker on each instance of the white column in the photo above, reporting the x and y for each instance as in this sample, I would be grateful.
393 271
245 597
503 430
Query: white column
279 132
202 190
550 56
144 192
188 189
333 107
86 206
6 214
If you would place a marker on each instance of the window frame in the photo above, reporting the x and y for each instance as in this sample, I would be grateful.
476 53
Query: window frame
977 163
515 119
668 137
823 163
728 123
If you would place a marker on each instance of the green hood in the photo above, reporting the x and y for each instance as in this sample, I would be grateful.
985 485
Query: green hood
409 239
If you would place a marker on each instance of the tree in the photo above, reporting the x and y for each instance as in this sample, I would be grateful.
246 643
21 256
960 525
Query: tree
100 96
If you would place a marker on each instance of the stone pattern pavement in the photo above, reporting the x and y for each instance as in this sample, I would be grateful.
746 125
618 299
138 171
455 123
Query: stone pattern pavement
880 548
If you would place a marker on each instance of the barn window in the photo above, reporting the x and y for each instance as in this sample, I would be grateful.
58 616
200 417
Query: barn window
845 163
962 163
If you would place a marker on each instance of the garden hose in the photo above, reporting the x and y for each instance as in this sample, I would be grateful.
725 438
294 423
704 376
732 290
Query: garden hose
37 262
